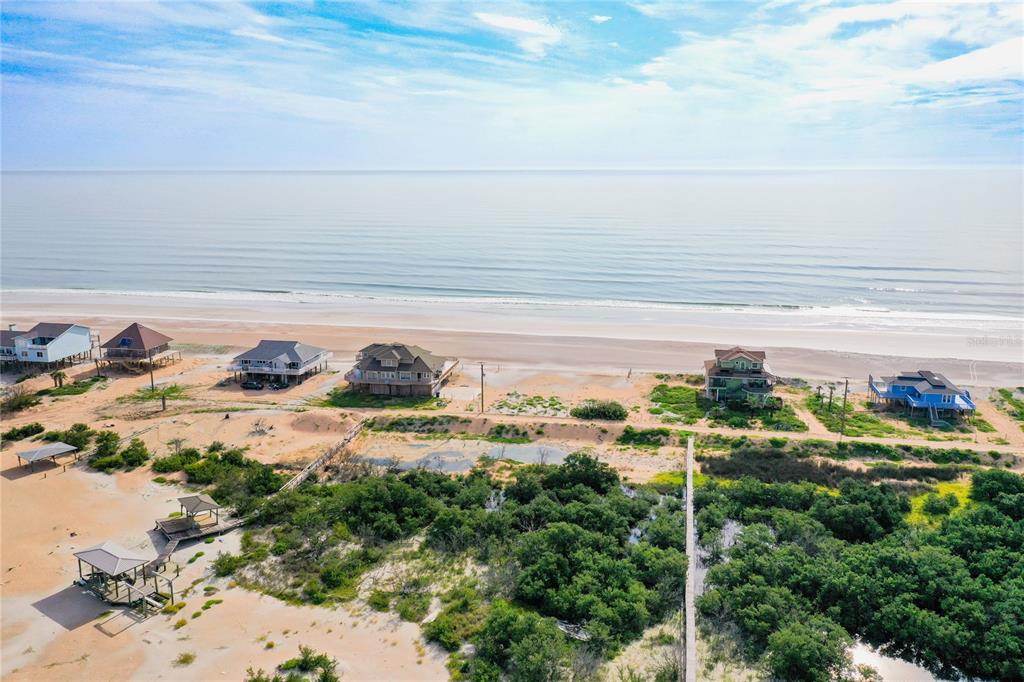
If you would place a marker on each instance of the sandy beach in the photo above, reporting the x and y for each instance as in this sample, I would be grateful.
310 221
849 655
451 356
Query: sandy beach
555 337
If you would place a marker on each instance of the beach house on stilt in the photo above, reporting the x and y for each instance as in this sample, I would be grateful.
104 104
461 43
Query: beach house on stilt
398 369
281 361
137 347
739 375
47 344
923 390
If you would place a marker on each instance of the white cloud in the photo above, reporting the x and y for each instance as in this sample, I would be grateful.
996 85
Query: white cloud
600 18
532 35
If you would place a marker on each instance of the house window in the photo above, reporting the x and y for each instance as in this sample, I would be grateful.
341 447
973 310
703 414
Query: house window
405 376
372 374
389 362
39 353
125 342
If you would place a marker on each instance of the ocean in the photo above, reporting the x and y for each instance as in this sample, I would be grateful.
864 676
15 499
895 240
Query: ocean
937 243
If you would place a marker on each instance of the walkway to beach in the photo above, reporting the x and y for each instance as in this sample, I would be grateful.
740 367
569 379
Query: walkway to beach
691 572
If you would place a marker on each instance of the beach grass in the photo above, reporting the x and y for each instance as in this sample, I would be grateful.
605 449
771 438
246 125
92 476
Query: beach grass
347 398
1007 400
76 388
678 404
147 394
858 423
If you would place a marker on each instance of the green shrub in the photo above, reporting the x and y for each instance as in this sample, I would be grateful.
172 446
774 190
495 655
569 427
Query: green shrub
645 438
26 431
379 600
600 409
135 454
413 606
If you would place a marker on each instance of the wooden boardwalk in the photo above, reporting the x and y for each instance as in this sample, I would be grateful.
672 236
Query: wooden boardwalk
690 666
322 461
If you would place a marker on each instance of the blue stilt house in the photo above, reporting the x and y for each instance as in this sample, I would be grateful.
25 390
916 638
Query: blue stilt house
923 390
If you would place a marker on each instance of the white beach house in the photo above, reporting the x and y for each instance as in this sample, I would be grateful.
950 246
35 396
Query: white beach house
47 343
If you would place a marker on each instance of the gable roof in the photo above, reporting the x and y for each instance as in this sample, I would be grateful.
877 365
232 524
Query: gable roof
410 358
139 337
735 351
285 351
111 558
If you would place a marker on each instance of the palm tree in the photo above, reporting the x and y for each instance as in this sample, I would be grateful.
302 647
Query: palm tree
58 377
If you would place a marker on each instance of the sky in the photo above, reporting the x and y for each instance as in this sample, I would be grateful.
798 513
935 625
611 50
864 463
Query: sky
433 84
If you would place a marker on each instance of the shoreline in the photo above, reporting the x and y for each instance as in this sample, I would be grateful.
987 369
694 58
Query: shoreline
548 336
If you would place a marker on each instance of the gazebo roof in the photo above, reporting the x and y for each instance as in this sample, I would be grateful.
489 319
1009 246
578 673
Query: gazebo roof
111 558
47 451
195 504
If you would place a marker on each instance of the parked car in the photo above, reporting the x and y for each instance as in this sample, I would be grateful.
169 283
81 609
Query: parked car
252 385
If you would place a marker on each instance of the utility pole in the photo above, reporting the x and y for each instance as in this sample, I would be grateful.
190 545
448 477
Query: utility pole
842 423
482 388
831 390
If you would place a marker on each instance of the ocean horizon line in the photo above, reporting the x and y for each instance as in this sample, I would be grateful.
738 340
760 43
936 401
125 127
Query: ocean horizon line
531 170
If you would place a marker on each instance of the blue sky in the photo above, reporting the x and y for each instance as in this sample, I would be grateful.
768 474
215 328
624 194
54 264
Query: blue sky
437 84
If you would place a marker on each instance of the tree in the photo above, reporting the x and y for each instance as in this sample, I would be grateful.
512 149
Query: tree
814 651
176 443
58 377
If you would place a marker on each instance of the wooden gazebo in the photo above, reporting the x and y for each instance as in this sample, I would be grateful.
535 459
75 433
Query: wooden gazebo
118 576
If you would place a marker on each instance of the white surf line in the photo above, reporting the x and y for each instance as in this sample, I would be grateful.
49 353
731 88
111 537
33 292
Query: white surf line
691 572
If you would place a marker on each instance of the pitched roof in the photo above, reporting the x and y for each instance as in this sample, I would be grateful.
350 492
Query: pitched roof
111 558
50 450
730 353
194 504
138 337
7 337
410 358
925 382
47 330
285 351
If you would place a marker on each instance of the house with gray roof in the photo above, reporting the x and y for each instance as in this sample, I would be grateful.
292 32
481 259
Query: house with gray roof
399 369
283 361
47 343
923 390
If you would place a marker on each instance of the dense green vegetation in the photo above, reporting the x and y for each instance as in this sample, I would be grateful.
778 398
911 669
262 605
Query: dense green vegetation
780 417
645 438
235 480
21 432
896 452
345 397
600 409
557 546
133 455
811 569
78 435
308 665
